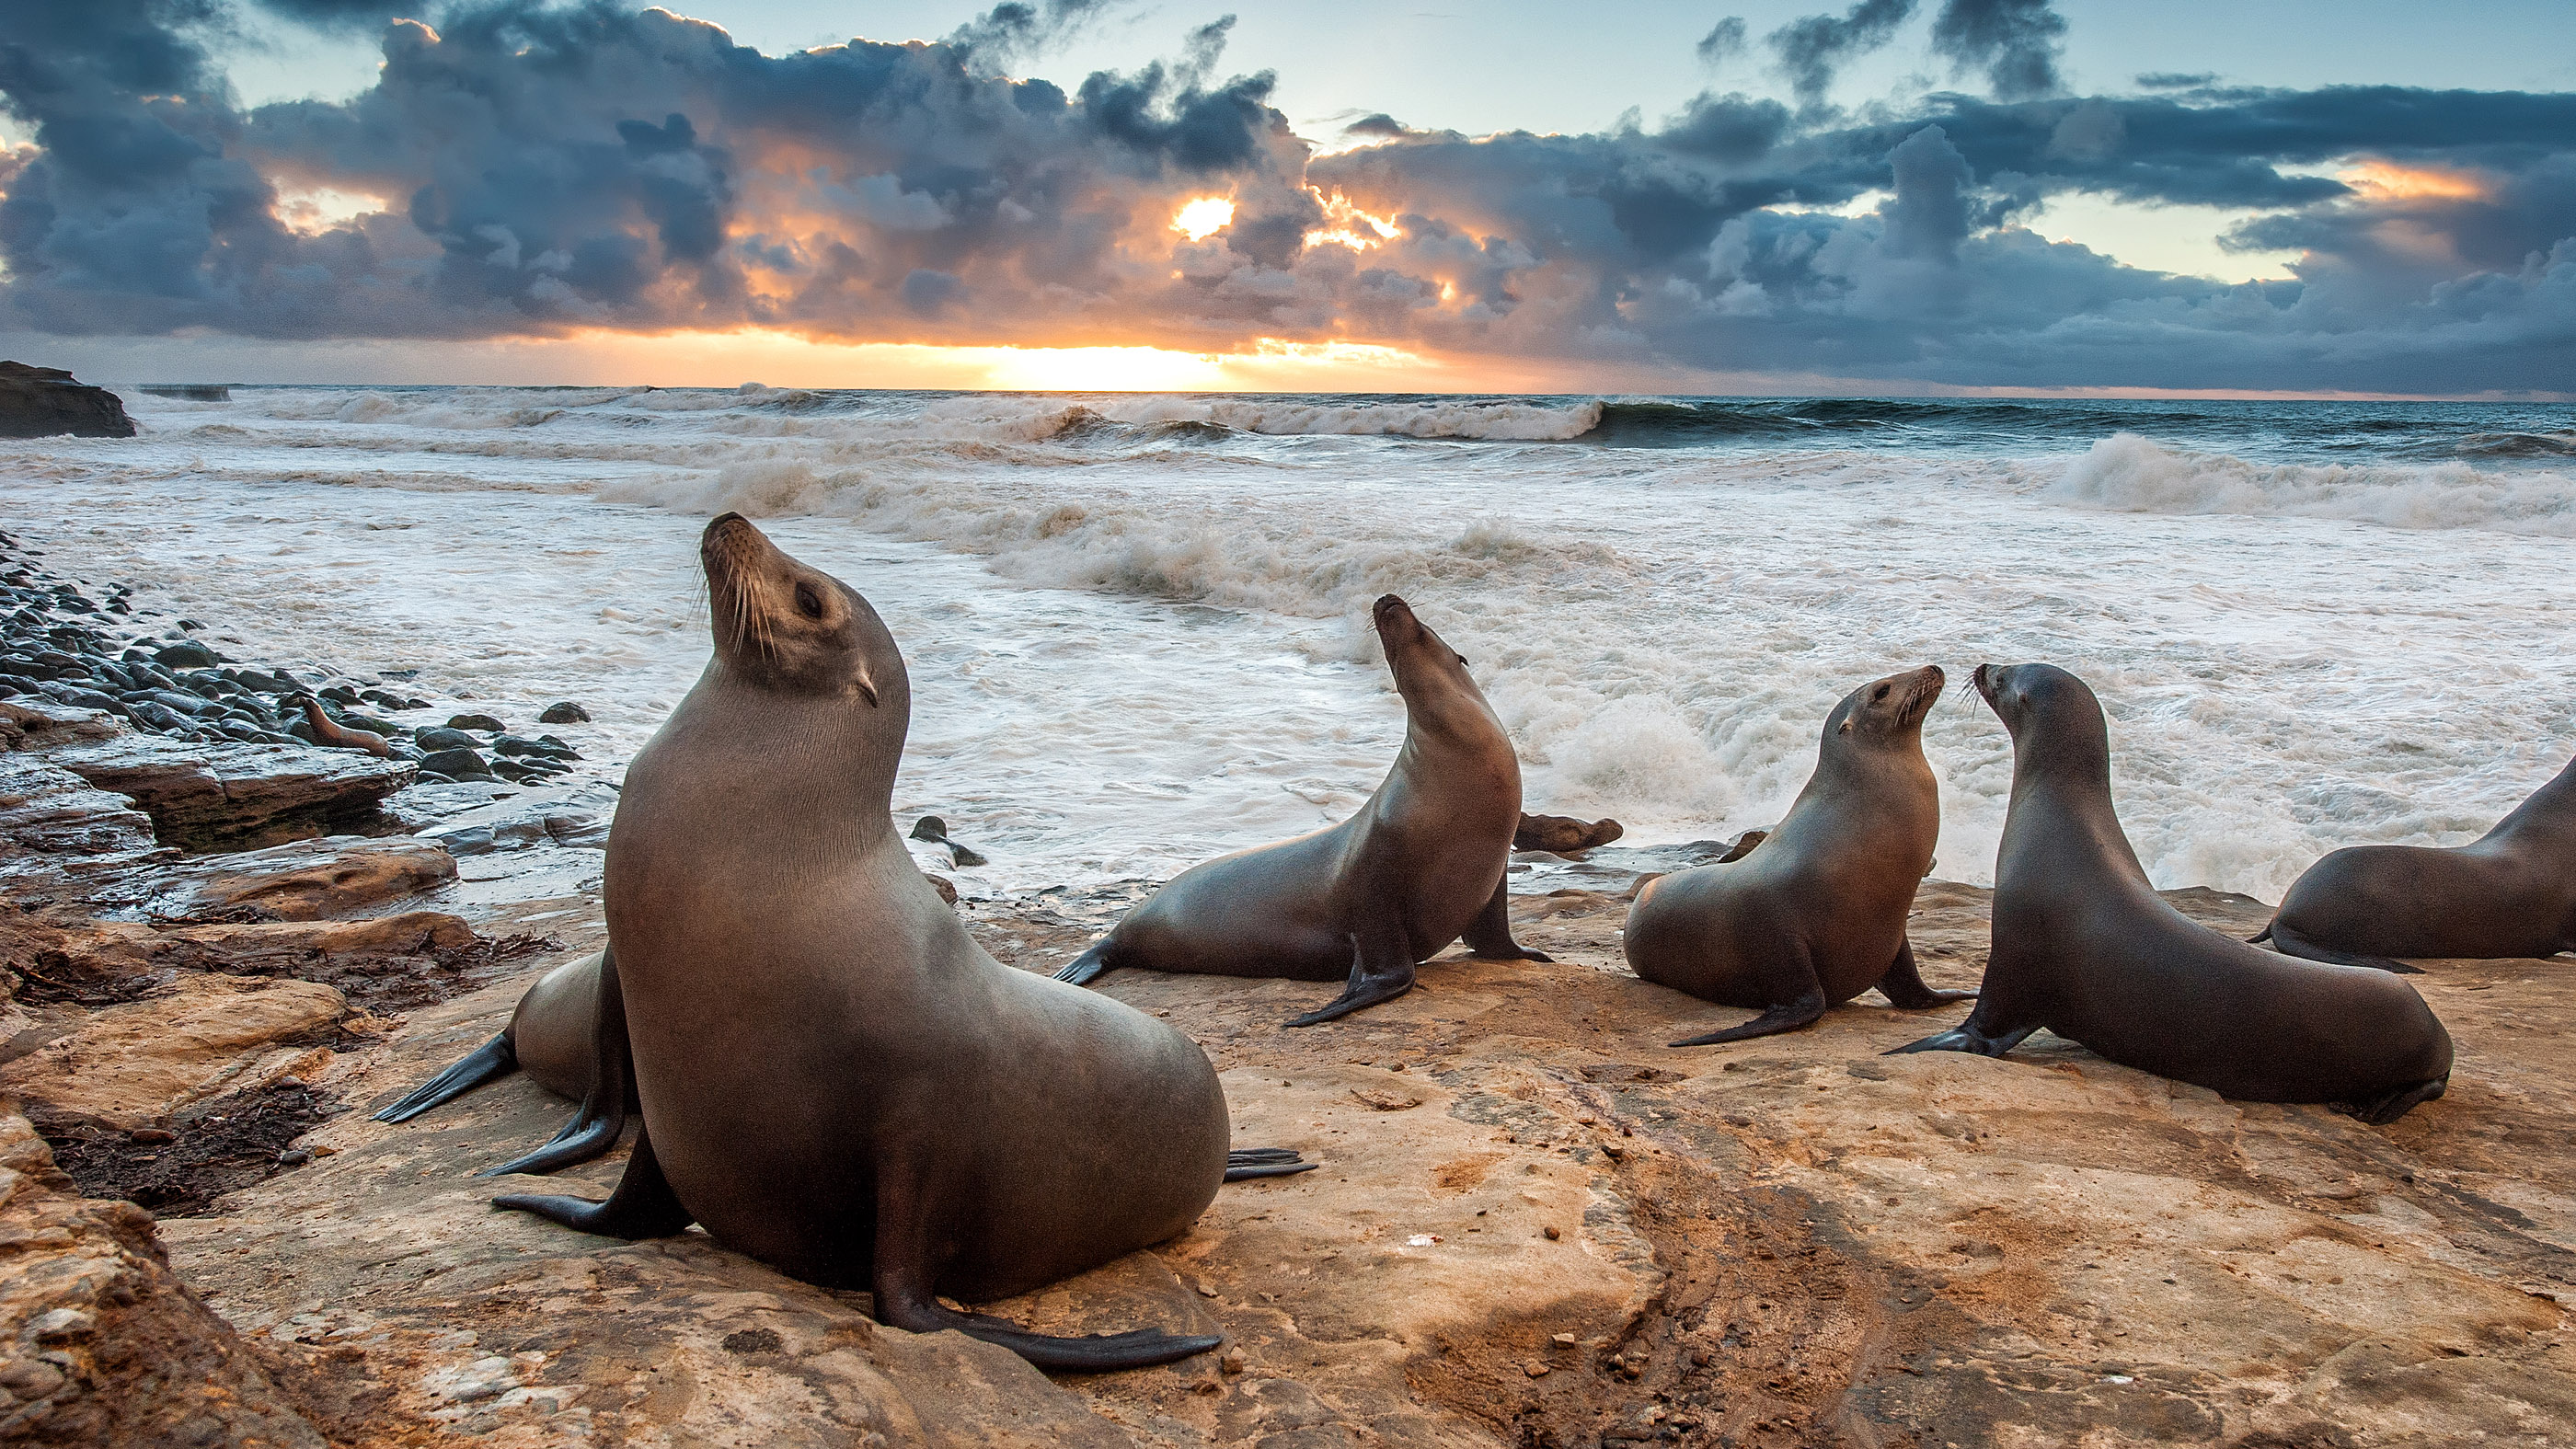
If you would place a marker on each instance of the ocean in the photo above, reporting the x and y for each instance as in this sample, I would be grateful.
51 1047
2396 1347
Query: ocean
1136 624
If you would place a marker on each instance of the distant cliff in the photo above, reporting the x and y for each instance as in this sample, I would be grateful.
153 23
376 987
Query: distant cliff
43 402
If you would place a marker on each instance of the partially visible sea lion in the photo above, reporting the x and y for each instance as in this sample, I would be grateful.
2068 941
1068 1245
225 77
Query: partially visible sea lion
834 1078
2084 946
1424 861
2511 892
1563 834
1817 915
549 1038
332 734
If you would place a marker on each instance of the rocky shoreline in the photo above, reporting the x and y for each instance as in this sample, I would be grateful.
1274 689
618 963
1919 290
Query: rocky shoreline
1535 1225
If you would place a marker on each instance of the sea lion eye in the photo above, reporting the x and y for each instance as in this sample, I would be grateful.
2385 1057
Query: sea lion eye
1879 693
808 603
1462 659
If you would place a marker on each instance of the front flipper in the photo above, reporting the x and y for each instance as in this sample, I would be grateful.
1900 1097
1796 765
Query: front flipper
1490 934
643 1206
1248 1162
1969 1036
1083 969
902 1275
1790 983
1380 974
2290 943
602 1119
494 1058
1903 985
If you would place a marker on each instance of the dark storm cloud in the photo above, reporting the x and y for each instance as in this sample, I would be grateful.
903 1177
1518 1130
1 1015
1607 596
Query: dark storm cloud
539 169
1724 41
1013 32
1811 48
2015 42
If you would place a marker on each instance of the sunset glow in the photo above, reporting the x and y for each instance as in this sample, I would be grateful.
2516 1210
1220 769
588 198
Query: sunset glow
1203 218
1346 225
2386 180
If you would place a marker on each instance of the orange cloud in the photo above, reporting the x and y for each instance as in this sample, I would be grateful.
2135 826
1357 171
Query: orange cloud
2390 181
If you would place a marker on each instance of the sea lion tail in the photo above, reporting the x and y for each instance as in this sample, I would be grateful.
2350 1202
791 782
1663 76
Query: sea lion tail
2259 937
1248 1162
492 1060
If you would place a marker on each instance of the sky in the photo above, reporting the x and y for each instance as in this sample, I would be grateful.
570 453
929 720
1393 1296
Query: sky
1889 196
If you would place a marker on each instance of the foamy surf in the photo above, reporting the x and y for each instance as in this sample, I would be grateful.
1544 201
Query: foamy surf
1138 623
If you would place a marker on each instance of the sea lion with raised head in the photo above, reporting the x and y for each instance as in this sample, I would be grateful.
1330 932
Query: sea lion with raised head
833 1077
1817 915
2084 946
2511 892
1422 863
331 734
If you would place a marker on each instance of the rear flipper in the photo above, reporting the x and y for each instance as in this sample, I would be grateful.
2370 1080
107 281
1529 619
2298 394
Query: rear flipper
643 1206
1489 936
602 1119
1380 975
1244 1162
2289 942
2380 1111
1968 1036
1082 970
902 1272
491 1061
1903 985
1789 980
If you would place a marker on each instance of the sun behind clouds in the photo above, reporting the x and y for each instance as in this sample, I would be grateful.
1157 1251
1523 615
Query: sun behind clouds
1203 217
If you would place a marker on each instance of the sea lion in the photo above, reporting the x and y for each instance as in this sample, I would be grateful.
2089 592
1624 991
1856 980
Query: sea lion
2084 946
2512 892
1817 915
1424 861
1563 834
833 1077
331 734
551 1036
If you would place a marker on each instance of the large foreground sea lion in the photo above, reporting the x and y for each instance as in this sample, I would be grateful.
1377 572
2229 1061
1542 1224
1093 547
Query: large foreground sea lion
1423 862
1816 915
2512 892
834 1078
2084 946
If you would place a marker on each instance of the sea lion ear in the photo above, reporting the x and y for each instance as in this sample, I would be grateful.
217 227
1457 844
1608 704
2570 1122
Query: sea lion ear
1846 729
866 687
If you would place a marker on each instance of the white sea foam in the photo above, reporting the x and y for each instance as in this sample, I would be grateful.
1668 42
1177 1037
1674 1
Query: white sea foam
2127 472
1137 625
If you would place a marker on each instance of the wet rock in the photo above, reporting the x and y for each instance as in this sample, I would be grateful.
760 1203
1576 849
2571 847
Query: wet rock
1563 834
46 402
457 764
211 793
564 711
187 654
101 1344
336 875
129 1064
542 748
488 724
433 738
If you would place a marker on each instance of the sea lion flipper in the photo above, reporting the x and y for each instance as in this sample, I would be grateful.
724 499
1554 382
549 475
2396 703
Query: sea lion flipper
2380 1111
2287 941
643 1206
1082 970
493 1059
902 1277
1797 995
1377 975
1249 1162
602 1119
1489 936
1904 988
1966 1037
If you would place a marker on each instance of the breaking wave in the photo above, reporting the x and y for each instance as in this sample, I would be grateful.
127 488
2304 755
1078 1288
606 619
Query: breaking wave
2127 473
